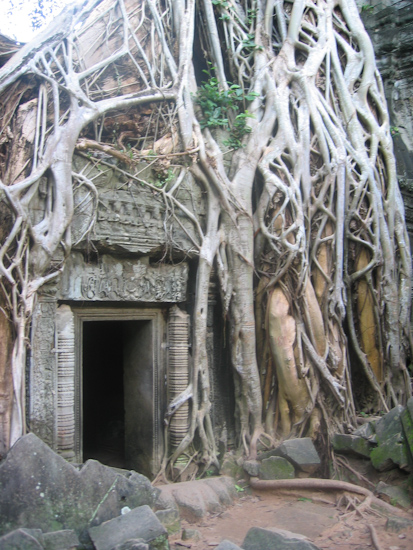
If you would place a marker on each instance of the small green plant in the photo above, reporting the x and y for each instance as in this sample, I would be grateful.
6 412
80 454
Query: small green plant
221 3
239 489
218 105
366 8
394 131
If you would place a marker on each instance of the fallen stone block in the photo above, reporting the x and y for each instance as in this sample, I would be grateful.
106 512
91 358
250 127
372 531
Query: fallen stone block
392 450
407 423
252 467
277 539
60 540
20 539
394 495
276 467
227 545
39 489
170 519
133 544
191 534
389 454
352 444
140 523
396 525
366 431
301 453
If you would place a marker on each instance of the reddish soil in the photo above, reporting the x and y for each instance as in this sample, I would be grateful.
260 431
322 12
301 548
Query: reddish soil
313 514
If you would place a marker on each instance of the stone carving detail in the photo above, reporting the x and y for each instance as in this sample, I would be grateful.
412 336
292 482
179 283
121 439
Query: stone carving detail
132 217
42 377
65 382
123 280
178 373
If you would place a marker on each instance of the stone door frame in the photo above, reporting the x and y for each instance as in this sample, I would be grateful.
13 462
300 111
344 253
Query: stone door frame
87 313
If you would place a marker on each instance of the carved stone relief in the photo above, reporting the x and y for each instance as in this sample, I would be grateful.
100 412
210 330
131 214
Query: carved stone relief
122 280
178 373
133 217
65 382
43 375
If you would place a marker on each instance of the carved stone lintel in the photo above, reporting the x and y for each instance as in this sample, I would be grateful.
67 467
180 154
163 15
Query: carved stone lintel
122 280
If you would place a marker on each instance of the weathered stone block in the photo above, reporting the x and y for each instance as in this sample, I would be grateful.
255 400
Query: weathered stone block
398 524
367 430
227 545
395 495
20 539
389 425
390 454
301 453
170 519
60 540
140 523
133 544
39 489
264 539
392 449
191 534
252 467
351 444
407 423
276 467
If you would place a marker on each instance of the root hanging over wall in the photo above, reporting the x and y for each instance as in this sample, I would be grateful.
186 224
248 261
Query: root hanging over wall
281 120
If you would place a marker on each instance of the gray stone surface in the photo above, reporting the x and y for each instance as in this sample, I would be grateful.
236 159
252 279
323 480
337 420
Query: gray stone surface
351 444
191 534
39 489
407 423
170 519
275 539
227 545
390 453
366 430
20 539
301 453
396 525
395 495
132 544
252 467
276 467
140 523
196 498
392 449
60 540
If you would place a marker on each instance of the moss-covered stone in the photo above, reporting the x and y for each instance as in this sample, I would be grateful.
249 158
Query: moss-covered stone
351 444
276 467
407 423
390 454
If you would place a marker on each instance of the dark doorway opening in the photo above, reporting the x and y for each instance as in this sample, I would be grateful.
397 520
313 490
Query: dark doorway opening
117 405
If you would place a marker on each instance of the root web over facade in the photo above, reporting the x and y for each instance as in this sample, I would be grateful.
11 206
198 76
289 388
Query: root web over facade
276 110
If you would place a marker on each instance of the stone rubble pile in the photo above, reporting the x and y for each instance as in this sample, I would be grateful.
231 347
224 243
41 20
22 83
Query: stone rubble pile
47 503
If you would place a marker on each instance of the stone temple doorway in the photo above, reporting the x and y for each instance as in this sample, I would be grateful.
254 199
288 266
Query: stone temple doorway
118 392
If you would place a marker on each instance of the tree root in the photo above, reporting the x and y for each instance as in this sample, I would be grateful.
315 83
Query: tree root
374 538
323 485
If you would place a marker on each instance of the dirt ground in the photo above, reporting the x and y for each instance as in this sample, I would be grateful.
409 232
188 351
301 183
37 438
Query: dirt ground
313 514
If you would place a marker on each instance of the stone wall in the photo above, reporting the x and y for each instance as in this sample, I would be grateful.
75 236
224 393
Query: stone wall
390 26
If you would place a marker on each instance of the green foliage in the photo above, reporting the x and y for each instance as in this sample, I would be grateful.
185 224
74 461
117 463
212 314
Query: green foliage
239 489
218 104
394 131
366 8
